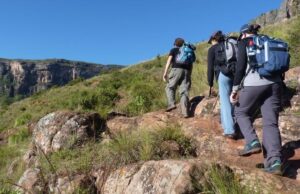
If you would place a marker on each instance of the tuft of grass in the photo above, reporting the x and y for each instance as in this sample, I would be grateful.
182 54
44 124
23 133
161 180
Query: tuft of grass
22 119
122 149
19 137
218 179
8 191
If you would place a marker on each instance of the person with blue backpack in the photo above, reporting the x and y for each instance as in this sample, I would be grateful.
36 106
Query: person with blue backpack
181 57
261 62
221 61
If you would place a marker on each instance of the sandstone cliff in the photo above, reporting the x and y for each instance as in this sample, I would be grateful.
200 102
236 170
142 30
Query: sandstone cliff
26 77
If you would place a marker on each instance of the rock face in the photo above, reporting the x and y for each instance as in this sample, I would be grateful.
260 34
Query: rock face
60 130
24 77
153 177
288 9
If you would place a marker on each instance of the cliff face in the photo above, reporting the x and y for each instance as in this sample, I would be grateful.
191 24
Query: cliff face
21 77
288 9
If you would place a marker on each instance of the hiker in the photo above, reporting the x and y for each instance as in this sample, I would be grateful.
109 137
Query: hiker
217 67
257 92
181 57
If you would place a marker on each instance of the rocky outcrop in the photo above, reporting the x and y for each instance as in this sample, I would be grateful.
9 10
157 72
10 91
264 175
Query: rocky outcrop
60 130
167 176
26 77
287 10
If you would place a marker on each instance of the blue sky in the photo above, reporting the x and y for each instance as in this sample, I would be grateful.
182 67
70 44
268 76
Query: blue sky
115 31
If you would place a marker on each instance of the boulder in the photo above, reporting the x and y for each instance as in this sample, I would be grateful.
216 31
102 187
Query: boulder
75 184
31 181
60 130
208 106
167 176
289 127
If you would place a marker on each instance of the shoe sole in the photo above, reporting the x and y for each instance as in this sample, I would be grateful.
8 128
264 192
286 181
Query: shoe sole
170 109
253 151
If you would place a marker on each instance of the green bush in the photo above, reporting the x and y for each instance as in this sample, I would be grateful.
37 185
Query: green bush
143 97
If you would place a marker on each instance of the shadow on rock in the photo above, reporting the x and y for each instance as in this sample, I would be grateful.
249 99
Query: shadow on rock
291 166
193 104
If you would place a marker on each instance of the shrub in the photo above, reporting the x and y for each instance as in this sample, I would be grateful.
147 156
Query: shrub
75 81
143 98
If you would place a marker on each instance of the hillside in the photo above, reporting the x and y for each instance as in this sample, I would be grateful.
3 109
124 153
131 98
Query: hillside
287 10
131 91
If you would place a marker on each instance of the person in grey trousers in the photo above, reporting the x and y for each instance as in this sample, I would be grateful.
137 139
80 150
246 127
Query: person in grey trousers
179 75
257 92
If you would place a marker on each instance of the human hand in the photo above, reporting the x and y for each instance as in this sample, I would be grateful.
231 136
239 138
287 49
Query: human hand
165 77
234 97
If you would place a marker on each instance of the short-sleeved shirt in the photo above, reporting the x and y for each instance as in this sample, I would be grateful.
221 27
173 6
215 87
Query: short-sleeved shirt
174 52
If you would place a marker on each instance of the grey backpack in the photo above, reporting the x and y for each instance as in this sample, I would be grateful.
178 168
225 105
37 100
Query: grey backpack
226 55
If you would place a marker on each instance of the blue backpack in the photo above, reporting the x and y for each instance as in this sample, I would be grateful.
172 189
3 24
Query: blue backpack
186 54
268 56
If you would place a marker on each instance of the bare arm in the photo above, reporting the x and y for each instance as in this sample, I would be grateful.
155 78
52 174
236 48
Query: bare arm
165 76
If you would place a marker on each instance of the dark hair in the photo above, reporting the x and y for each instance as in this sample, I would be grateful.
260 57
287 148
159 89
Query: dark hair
217 36
250 28
178 42
254 28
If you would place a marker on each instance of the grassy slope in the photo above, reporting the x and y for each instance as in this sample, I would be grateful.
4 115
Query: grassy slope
133 90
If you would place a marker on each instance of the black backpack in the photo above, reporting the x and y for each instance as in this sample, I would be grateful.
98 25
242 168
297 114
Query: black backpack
226 56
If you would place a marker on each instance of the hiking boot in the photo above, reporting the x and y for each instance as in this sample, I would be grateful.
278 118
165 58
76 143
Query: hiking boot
170 108
275 168
251 148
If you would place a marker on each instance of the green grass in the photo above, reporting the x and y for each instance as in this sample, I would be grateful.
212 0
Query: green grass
8 191
9 154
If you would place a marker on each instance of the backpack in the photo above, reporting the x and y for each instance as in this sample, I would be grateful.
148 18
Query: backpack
226 56
186 54
268 56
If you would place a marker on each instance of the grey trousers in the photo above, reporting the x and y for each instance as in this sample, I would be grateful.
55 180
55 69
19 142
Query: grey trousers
182 78
267 98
